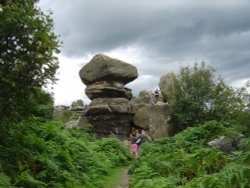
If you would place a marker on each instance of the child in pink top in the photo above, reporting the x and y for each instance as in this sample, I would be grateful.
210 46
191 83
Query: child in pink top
134 149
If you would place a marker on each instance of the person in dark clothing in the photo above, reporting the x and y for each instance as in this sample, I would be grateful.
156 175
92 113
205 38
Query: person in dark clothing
157 94
143 137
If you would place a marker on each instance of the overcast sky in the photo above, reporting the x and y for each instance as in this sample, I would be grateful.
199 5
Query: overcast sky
157 36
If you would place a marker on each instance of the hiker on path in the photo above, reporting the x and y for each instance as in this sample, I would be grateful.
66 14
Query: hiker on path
143 137
133 145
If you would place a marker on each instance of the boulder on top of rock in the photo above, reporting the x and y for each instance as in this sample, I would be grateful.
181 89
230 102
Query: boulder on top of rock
104 68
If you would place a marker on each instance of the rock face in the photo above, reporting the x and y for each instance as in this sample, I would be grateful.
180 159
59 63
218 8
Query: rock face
164 83
59 111
110 111
155 119
107 89
222 143
226 144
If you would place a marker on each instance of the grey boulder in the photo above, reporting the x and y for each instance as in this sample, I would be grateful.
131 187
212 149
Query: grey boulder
104 68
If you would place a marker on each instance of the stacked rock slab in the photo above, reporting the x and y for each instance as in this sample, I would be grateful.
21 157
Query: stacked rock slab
110 111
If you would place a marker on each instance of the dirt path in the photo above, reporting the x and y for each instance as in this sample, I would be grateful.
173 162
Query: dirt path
123 179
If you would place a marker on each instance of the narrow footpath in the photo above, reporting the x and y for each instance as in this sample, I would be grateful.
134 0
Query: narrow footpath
123 179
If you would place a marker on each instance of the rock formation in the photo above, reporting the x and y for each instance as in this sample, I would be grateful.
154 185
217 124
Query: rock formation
59 111
226 144
155 118
110 111
164 83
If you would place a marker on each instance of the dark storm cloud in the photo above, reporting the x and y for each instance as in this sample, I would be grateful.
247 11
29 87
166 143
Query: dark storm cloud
170 32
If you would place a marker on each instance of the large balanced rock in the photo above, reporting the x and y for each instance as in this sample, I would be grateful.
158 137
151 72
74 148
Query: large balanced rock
110 111
104 68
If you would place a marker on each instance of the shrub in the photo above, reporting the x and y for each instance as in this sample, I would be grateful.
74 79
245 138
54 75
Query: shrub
185 160
43 154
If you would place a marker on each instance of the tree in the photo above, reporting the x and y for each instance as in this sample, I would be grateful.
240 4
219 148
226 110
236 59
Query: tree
76 103
196 96
27 63
42 104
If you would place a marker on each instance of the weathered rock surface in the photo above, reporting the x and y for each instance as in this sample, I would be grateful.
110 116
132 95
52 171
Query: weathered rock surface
111 123
59 111
164 83
72 124
113 110
105 89
77 108
109 105
226 144
110 111
104 68
143 97
222 143
155 119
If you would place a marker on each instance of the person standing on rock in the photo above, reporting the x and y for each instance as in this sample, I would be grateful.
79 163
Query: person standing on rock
151 97
157 94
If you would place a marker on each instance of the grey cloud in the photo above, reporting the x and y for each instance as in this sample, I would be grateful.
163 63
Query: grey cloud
171 32
90 26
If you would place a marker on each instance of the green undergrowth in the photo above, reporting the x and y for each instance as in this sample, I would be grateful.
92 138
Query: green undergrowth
113 179
185 161
44 154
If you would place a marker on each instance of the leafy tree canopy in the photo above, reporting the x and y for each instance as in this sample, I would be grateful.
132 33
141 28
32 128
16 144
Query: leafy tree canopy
27 62
195 96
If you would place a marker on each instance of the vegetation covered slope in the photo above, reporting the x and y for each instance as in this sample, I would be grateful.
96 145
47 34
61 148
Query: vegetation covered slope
42 154
205 108
185 160
35 152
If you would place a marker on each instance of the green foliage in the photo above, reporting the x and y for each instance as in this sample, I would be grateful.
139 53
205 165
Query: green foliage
76 103
43 154
65 114
189 93
4 179
27 47
42 104
233 175
185 160
110 147
68 116
196 96
243 111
